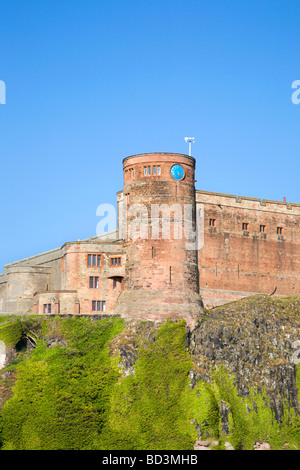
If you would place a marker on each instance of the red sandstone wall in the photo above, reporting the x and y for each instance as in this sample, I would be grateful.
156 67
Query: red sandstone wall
234 263
76 274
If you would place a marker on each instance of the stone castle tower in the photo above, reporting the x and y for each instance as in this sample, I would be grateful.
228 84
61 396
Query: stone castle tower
161 279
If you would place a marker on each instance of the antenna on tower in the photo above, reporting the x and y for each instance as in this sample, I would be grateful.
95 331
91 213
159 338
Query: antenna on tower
190 140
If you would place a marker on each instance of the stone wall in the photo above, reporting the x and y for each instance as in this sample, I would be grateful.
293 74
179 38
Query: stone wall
22 279
76 273
236 261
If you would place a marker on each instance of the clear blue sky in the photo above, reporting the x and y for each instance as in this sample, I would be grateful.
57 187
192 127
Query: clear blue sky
90 82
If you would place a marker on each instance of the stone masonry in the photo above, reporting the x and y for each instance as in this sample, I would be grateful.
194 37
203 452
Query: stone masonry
153 266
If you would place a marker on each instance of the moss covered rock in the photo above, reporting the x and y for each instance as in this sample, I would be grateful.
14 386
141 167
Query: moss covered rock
105 383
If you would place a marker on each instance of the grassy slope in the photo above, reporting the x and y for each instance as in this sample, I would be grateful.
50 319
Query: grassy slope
114 385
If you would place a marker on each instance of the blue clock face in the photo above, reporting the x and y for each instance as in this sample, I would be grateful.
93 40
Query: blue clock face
177 172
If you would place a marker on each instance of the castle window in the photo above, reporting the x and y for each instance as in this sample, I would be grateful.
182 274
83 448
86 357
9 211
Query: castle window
262 228
155 170
279 230
116 283
94 282
47 308
98 305
212 222
94 260
115 261
245 226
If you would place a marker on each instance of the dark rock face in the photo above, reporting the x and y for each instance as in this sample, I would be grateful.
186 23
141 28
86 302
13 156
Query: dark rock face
256 339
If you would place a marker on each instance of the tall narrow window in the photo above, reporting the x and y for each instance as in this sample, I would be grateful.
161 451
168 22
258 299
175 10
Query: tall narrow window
117 282
279 230
154 170
262 228
145 171
212 222
149 170
245 226
158 170
94 282
47 308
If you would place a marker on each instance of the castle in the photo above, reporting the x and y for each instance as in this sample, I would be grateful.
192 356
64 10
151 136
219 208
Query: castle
175 250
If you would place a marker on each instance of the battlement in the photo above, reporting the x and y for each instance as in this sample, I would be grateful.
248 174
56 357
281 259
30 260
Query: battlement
247 202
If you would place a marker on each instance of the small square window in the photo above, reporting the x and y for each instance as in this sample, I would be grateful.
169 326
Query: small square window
115 261
279 230
262 228
245 226
212 222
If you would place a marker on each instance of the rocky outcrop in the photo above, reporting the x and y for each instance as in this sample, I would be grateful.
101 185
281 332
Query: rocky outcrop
257 339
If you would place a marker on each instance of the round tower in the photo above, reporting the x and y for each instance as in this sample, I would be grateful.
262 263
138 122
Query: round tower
161 279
